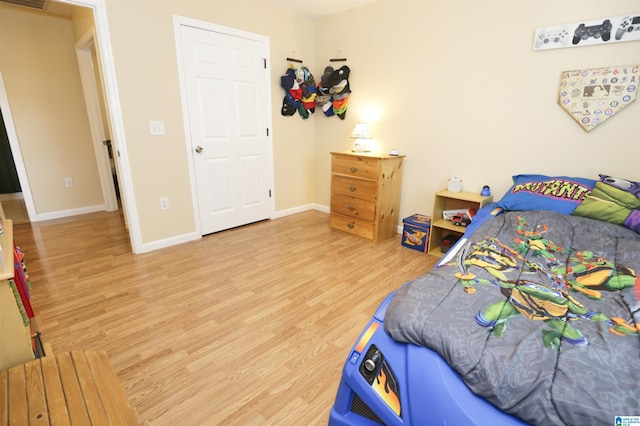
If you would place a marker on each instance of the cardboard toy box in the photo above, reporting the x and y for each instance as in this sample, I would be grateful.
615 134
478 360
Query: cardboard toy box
415 232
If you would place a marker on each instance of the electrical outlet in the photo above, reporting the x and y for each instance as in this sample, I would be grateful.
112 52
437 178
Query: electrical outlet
68 182
156 128
164 203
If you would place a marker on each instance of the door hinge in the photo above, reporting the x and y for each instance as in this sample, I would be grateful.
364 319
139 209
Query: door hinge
264 60
267 131
269 193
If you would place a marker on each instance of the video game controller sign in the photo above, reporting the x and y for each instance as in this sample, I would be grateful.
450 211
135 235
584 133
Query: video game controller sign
628 25
547 38
596 31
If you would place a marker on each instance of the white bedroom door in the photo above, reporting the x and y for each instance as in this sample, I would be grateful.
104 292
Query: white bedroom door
227 87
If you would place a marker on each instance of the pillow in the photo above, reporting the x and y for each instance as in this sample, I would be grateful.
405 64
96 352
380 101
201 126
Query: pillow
561 194
613 200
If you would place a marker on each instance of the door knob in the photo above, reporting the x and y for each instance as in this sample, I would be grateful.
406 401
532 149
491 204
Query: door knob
199 149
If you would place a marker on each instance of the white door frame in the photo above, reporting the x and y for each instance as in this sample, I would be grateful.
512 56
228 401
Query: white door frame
184 21
115 113
15 151
94 112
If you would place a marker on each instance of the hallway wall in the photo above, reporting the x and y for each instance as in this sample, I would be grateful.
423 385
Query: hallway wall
42 80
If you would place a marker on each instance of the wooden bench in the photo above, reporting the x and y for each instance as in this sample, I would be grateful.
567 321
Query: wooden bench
77 388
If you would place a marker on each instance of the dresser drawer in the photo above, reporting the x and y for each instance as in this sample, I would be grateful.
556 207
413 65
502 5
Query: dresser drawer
352 225
362 167
354 207
359 188
365 194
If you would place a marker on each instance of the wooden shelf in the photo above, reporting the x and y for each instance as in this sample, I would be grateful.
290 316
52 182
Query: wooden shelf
16 345
15 337
447 200
6 247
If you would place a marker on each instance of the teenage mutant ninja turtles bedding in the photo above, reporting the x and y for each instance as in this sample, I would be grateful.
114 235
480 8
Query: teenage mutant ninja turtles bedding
538 314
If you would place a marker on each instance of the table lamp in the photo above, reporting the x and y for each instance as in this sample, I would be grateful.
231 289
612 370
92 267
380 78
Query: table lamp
362 135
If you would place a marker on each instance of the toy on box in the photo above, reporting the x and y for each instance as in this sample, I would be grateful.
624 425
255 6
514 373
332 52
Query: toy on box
461 219
450 214
415 233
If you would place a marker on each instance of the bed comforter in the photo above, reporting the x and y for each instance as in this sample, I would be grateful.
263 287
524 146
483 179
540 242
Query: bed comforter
538 314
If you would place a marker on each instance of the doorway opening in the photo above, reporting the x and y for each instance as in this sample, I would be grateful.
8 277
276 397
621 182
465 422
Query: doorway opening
10 190
91 79
96 111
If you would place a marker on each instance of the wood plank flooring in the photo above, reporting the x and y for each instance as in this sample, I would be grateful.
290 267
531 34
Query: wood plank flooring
15 210
249 326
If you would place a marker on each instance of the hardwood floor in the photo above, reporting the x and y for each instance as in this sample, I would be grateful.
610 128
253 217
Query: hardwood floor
247 326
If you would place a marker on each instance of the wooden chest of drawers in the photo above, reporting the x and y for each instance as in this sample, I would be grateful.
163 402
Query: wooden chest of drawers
365 194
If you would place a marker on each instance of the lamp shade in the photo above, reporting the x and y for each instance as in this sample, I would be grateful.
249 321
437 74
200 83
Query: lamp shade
361 131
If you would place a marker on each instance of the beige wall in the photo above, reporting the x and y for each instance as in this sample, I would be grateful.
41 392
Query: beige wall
41 77
144 52
460 91
479 103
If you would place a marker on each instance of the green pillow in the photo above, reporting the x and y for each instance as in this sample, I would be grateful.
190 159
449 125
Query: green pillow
611 204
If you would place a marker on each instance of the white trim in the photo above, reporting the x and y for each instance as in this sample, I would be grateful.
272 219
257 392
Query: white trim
179 21
169 242
209 26
115 113
294 210
300 209
15 151
96 124
71 212
318 207
448 257
195 236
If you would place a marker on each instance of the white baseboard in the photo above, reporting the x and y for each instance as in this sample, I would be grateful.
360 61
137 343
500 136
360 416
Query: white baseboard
168 242
300 209
318 207
321 208
160 244
67 213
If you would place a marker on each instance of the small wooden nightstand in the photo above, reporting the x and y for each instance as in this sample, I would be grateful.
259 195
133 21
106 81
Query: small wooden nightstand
365 194
447 200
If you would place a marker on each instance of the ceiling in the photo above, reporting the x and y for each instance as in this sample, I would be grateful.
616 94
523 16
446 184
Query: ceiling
309 8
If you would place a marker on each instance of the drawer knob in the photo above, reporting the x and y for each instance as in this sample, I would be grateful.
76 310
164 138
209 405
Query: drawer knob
351 208
352 188
351 225
353 169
